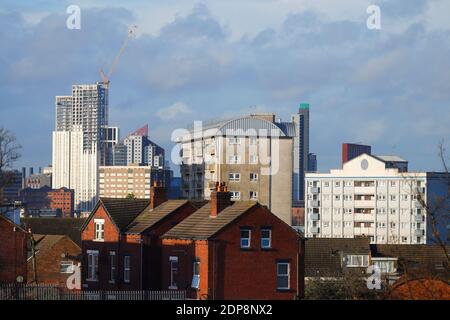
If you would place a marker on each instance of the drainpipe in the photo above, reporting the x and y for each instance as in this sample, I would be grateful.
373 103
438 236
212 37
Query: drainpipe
142 261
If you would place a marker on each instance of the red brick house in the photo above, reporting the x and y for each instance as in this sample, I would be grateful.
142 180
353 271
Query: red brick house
121 245
55 259
237 250
13 252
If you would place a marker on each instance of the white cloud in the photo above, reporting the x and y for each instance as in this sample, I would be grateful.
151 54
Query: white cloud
173 111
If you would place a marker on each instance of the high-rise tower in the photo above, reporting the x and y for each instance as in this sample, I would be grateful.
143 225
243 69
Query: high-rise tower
300 156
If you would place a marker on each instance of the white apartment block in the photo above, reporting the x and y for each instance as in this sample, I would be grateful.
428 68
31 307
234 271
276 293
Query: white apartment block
79 142
370 197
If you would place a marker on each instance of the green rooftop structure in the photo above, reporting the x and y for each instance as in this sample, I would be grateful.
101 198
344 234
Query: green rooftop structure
304 105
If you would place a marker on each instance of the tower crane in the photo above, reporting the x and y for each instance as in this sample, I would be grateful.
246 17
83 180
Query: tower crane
105 77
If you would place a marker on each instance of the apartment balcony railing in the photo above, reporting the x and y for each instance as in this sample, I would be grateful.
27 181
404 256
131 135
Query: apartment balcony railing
364 190
417 205
362 217
314 230
314 216
419 232
418 218
314 203
364 203
315 190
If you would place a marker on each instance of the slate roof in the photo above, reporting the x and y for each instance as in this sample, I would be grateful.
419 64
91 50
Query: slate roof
418 258
124 211
200 225
149 217
46 241
323 256
56 226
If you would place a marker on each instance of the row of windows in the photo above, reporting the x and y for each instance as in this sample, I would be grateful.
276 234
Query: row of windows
380 183
246 238
381 225
403 211
349 197
236 195
236 177
237 159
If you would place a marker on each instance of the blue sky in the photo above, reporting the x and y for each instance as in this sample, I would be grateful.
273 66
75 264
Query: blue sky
194 60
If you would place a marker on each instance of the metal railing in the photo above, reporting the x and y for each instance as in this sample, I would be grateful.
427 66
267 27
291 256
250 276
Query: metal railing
53 292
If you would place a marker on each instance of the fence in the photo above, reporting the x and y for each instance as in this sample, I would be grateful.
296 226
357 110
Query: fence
50 292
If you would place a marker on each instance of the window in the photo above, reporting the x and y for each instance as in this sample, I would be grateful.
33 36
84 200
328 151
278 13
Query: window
66 267
234 140
196 274
357 261
381 197
253 195
326 224
112 266
347 197
245 238
235 195
348 211
283 275
337 184
173 261
393 197
92 265
326 184
266 238
381 225
234 159
404 197
347 224
253 159
393 183
126 268
348 183
337 197
234 177
99 229
253 177
387 266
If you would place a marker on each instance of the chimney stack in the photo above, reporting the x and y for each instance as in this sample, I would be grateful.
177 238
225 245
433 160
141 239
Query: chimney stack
157 195
220 199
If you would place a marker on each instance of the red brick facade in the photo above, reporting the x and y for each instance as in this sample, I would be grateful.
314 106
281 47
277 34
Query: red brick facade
13 252
229 272
143 250
51 251
62 199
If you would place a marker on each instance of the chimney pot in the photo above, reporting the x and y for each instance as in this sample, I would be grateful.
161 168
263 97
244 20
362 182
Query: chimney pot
220 199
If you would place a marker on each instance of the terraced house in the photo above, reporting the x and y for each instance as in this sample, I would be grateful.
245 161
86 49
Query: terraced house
233 250
120 241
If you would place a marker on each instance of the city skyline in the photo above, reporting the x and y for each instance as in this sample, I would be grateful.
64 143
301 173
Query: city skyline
376 92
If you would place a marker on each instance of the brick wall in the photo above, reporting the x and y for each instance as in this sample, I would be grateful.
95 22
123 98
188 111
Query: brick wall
13 252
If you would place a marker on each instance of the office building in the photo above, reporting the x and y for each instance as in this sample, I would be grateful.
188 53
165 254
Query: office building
300 154
252 154
142 151
312 162
352 150
370 196
46 201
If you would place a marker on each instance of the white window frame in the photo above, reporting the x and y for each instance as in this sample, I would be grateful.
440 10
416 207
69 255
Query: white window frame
236 159
253 159
288 275
249 238
127 269
253 195
234 177
68 266
112 267
351 258
266 238
255 177
92 265
235 195
172 281
99 230
234 140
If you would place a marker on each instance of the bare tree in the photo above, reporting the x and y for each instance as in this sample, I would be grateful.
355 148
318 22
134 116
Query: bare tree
9 154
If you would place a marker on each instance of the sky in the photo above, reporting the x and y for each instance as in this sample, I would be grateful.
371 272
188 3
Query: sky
206 60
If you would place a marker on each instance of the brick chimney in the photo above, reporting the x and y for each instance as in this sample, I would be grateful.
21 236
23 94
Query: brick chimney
220 199
157 195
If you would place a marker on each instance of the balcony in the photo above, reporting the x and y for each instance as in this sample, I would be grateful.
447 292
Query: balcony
364 217
315 190
314 216
314 230
418 218
364 190
364 203
419 232
417 205
314 203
